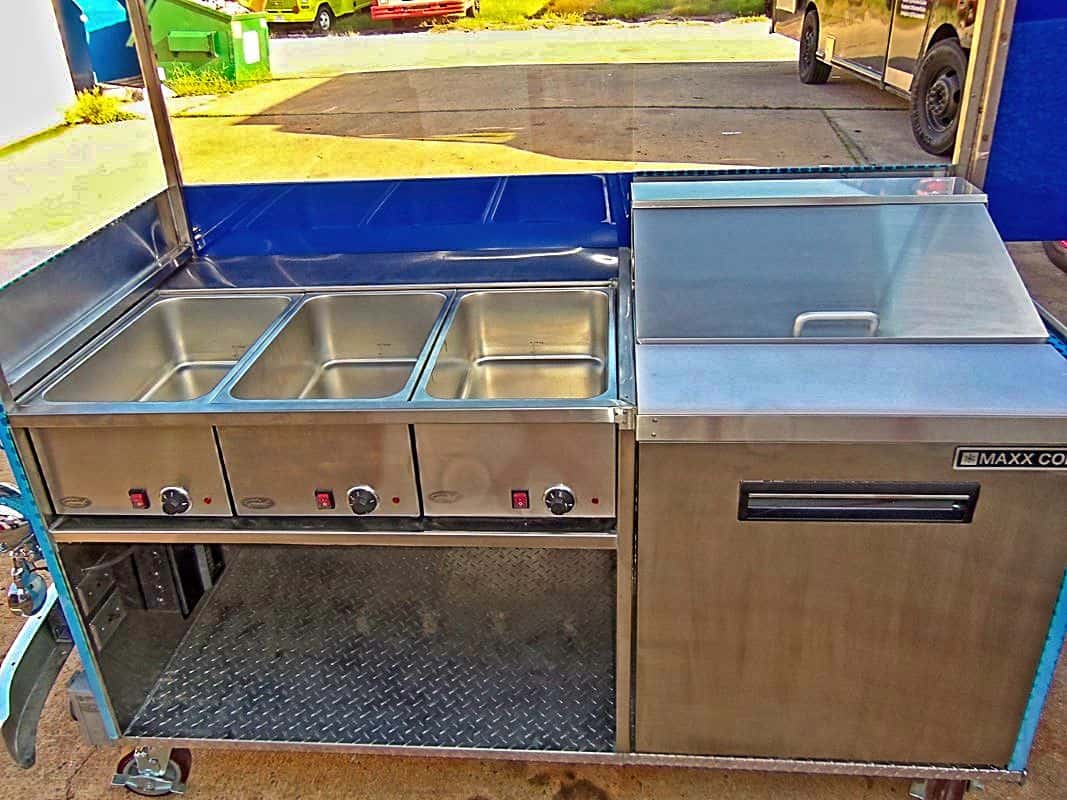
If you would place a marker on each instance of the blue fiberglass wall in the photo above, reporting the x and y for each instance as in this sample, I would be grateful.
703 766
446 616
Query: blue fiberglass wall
1027 174
420 215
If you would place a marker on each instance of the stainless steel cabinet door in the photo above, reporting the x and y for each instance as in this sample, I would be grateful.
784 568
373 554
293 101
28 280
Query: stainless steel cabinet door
889 641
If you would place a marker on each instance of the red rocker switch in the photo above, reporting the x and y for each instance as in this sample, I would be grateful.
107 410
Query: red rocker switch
520 498
324 499
139 499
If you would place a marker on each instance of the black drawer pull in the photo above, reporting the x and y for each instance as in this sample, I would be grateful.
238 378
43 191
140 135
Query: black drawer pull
857 502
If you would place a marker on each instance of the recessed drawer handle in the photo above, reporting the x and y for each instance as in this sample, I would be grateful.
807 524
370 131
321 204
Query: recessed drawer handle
855 503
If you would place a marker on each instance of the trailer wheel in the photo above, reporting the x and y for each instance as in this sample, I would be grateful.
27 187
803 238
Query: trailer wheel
936 97
324 20
1057 253
808 65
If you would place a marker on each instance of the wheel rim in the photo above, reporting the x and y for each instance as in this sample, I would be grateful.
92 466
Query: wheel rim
943 100
808 46
324 20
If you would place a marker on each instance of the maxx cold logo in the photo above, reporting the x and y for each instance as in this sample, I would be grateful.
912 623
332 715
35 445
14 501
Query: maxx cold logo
1011 458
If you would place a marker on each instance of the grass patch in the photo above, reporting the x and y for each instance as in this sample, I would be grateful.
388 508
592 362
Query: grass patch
361 22
96 108
633 10
185 81
526 14
513 15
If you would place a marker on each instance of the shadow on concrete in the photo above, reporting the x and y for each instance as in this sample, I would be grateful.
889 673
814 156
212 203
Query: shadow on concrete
753 113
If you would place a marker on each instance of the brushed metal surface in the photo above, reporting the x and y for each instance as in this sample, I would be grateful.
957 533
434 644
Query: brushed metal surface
48 312
625 591
276 470
178 349
773 392
101 466
471 469
559 532
869 642
452 269
655 193
929 271
345 346
777 765
525 344
300 412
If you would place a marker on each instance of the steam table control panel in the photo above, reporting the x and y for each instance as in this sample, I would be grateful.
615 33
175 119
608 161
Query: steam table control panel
174 500
362 499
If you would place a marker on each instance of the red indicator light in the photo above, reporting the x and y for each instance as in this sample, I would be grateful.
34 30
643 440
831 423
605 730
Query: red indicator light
207 501
139 498
595 501
324 499
520 498
396 501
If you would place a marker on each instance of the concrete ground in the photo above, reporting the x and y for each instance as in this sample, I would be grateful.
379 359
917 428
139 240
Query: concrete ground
67 769
523 118
64 185
491 102
616 42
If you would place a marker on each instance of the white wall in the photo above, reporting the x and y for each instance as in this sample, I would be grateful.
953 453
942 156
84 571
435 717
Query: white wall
35 84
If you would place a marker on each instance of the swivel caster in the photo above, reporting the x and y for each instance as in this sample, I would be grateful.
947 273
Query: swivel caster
154 771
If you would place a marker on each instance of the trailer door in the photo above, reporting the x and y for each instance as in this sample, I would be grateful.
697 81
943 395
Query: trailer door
906 42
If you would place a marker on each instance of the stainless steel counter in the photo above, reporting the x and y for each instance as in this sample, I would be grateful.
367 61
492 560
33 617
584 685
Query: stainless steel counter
850 392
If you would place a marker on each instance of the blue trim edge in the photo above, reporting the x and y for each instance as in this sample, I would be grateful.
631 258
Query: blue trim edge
1046 667
1057 341
28 508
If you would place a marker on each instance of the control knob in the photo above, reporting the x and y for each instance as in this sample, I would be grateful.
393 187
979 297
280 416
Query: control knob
559 499
174 500
362 499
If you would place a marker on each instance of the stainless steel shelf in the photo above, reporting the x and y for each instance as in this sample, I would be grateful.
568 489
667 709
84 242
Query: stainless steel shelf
596 534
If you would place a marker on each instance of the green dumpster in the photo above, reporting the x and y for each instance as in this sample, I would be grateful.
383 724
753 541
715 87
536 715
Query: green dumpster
196 35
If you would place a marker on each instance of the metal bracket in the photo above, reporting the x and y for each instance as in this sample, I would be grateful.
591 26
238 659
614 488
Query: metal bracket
626 417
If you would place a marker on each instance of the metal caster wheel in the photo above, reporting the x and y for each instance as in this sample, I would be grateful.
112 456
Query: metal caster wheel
142 772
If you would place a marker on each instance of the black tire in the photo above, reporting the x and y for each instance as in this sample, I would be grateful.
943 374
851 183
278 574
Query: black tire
810 69
474 9
324 20
936 97
1057 253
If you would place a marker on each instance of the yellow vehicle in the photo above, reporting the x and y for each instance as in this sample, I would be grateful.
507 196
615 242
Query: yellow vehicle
321 14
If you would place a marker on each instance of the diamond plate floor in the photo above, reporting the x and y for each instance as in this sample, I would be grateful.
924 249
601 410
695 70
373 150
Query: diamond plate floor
449 647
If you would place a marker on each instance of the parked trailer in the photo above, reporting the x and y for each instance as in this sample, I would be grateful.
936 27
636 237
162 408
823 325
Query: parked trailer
915 48
423 9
